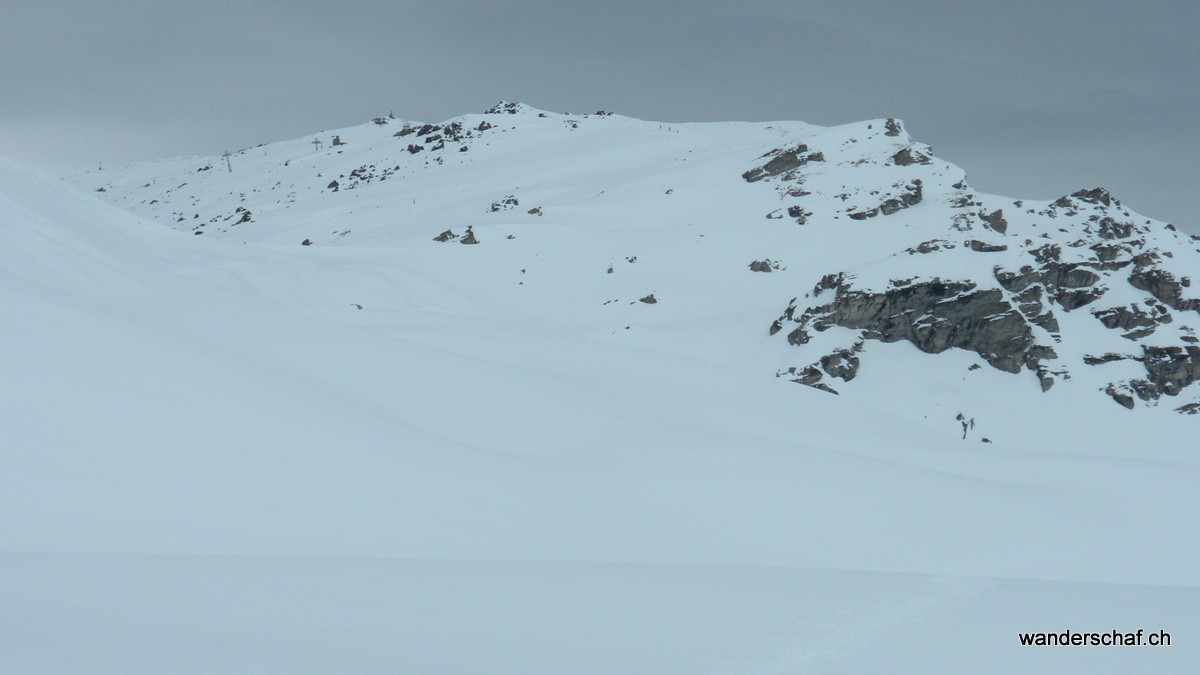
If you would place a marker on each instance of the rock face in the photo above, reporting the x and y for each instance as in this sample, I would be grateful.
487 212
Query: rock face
1010 301
1027 278
782 162
1171 369
934 316
1164 286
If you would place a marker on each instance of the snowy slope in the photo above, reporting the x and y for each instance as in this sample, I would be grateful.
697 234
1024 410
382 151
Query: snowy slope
579 217
439 422
213 458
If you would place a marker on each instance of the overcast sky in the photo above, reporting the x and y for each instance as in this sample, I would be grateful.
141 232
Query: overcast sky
1032 99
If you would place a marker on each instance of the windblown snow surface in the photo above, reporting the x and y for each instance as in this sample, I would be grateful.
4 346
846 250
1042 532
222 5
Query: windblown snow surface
231 452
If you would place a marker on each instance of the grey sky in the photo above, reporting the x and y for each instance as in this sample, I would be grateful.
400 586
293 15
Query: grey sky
1033 99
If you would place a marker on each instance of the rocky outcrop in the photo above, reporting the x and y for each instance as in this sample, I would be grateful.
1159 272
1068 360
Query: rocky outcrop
508 202
1134 318
1110 228
909 194
506 108
984 247
765 265
1012 317
841 364
1165 287
1120 397
909 156
934 316
1094 196
1170 369
1071 285
782 161
995 220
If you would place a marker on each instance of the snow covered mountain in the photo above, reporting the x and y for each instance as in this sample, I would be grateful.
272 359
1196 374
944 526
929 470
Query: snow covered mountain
528 407
876 251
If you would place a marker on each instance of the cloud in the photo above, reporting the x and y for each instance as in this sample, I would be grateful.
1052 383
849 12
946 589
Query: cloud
1023 95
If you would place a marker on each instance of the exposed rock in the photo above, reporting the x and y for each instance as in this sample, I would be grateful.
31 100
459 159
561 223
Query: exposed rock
1066 283
909 156
1047 253
982 247
1111 229
1120 397
1030 305
1094 196
1108 357
508 202
1171 368
934 316
1165 287
649 299
910 195
306 242
810 376
843 363
505 107
783 160
892 127
930 246
995 220
469 237
446 236
1130 317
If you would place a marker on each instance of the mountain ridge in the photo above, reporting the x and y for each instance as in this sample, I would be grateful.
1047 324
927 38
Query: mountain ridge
893 244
